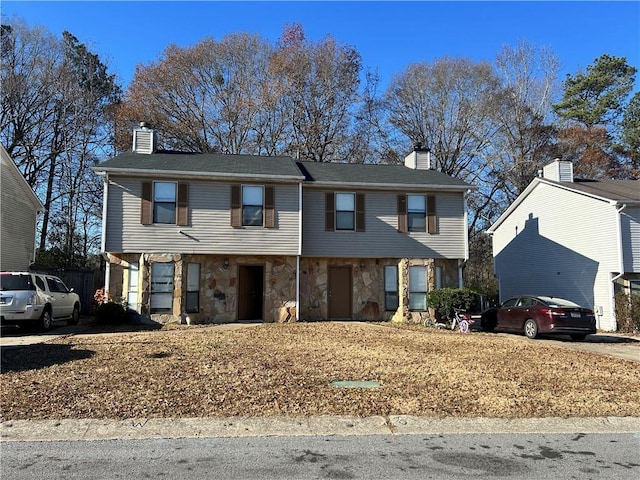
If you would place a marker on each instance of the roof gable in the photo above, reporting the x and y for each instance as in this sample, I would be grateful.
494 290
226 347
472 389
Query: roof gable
606 190
8 162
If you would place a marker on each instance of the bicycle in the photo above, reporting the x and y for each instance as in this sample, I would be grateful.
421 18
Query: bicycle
462 319
428 322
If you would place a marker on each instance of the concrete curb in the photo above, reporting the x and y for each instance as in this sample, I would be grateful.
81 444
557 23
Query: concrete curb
152 428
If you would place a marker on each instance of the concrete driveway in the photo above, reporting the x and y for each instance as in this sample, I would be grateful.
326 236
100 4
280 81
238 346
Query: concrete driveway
612 344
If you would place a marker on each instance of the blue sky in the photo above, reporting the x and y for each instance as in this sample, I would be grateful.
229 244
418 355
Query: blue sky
388 35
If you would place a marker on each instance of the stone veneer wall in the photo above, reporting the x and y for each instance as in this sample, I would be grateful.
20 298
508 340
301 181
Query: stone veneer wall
368 288
219 294
218 286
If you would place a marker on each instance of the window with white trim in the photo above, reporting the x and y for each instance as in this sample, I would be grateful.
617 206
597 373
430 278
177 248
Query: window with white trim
391 287
417 213
162 287
345 211
192 304
252 205
418 288
164 202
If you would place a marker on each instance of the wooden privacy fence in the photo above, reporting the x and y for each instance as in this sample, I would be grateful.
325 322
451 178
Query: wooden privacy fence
84 282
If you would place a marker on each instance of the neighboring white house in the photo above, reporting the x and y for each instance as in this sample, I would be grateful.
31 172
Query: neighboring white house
19 208
571 238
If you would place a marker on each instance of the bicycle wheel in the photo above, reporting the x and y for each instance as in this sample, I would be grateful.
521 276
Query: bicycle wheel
464 326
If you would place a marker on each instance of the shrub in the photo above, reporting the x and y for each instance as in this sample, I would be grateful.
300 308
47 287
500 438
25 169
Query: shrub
111 313
444 300
628 312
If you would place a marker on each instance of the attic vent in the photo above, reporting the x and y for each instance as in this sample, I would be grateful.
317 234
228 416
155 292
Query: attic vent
144 139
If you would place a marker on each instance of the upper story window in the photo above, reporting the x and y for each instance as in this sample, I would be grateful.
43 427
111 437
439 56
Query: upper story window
417 213
165 203
253 206
344 211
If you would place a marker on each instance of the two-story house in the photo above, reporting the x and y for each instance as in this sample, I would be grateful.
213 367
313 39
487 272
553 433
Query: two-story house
222 238
19 208
572 238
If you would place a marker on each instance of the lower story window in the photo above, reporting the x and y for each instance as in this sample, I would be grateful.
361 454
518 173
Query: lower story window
162 287
418 288
193 288
391 288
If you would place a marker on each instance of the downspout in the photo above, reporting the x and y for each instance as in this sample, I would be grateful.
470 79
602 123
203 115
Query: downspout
612 305
462 262
299 252
103 238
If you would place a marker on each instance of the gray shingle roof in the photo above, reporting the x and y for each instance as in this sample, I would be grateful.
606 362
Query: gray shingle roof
353 174
214 165
616 190
202 164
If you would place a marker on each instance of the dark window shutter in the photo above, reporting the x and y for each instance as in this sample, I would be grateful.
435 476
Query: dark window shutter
402 213
236 206
360 224
329 212
432 219
146 210
182 217
269 207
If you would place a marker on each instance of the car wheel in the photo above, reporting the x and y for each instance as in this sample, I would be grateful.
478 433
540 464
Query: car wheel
578 337
531 328
487 323
75 316
44 323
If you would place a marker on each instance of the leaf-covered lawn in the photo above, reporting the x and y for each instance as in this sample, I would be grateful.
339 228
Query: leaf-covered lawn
287 369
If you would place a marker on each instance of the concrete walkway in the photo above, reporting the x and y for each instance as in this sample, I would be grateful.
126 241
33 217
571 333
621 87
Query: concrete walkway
150 428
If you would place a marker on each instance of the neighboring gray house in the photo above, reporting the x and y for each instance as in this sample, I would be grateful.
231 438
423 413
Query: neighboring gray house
222 238
19 207
571 238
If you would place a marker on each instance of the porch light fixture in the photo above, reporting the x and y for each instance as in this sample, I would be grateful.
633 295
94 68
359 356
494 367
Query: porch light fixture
225 264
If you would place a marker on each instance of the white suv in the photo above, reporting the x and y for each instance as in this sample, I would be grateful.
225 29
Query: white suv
36 298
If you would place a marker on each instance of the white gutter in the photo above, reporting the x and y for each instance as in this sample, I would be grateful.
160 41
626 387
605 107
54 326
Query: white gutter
466 226
103 238
145 172
612 306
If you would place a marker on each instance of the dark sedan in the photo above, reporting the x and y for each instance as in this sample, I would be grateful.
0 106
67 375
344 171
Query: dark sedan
533 315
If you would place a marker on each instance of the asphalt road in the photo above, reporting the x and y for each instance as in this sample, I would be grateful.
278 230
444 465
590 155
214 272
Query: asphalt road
457 456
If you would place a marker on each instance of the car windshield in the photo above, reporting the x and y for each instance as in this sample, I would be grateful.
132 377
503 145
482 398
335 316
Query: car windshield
559 302
16 282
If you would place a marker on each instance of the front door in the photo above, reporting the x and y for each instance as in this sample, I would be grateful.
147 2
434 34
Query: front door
339 293
250 292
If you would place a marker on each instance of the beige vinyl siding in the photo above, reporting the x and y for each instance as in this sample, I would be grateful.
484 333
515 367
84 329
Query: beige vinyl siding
18 227
209 229
381 238
559 243
630 226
